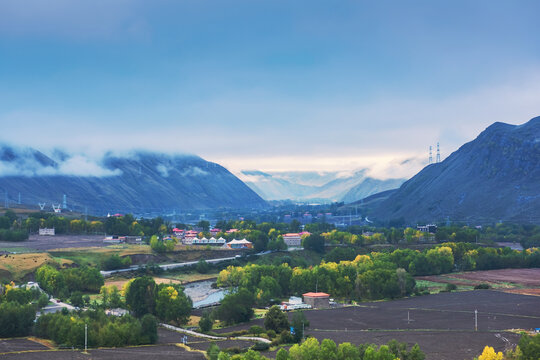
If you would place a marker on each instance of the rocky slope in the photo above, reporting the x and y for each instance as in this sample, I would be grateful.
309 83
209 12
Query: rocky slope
494 177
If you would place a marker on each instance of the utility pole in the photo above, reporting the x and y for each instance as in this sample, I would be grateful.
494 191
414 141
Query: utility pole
475 320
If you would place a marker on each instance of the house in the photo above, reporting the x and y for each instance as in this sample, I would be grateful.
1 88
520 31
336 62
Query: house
317 300
46 231
179 233
232 231
240 244
429 228
215 231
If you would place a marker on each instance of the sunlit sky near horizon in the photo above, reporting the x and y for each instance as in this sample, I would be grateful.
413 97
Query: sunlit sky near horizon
268 85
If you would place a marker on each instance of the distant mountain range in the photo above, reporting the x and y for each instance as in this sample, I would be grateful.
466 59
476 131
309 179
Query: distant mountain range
139 182
311 186
494 177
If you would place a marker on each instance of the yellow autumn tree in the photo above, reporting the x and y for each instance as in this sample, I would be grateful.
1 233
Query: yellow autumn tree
490 354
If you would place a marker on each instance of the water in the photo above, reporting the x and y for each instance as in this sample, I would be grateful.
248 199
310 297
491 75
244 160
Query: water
202 293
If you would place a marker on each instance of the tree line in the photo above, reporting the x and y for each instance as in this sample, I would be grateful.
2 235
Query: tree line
67 329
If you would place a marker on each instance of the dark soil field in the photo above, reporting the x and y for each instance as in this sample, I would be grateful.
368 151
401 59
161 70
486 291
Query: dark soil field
10 345
507 277
129 353
44 243
442 324
165 349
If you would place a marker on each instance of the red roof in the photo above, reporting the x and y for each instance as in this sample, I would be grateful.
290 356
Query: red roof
316 294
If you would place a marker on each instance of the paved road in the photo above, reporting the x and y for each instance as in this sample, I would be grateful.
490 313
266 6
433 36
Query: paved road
176 265
166 266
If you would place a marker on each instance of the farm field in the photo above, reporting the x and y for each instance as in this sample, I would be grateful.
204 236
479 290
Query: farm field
166 349
504 278
442 324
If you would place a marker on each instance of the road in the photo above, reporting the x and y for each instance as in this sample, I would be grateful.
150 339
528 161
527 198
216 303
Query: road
167 266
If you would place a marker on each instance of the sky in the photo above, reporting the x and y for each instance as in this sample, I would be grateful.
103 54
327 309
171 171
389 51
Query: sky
268 85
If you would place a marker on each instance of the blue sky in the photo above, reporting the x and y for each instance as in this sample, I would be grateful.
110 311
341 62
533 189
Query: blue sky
272 85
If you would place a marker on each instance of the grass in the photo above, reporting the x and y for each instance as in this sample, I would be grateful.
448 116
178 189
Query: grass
17 266
94 255
191 277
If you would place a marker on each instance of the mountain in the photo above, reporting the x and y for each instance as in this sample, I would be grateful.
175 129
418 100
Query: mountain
369 187
138 183
494 177
311 186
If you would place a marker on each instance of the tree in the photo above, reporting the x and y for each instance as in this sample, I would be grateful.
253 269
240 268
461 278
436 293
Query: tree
213 351
314 242
236 307
530 347
299 323
329 350
16 319
202 267
282 354
149 329
206 322
204 225
172 305
490 354
141 296
276 320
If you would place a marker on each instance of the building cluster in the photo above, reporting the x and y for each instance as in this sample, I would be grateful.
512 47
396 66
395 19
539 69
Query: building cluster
191 237
312 300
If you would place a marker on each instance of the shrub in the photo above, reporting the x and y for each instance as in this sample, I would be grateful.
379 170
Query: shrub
482 287
260 346
451 287
256 330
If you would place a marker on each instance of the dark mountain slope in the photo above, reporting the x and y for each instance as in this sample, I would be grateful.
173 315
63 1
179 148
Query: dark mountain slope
494 177
143 182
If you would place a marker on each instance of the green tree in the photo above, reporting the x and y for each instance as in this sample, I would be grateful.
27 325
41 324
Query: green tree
299 323
141 296
172 305
276 320
236 307
206 322
16 319
314 242
329 350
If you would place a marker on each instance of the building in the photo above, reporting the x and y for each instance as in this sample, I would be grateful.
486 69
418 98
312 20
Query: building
294 239
317 300
215 231
430 228
240 244
179 233
46 231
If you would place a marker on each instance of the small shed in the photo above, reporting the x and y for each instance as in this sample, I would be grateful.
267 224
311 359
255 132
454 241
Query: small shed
317 300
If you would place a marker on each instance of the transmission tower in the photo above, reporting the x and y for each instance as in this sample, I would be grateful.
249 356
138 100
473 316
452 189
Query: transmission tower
64 202
56 208
41 206
430 155
6 200
438 153
19 198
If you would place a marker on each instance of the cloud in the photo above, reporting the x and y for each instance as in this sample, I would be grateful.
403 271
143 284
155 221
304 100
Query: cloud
194 171
163 170
80 165
21 161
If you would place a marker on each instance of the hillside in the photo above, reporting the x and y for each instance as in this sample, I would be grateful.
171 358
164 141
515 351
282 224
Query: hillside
140 182
494 177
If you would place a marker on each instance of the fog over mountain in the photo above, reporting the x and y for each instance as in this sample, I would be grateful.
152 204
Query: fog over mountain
494 177
136 182
312 186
